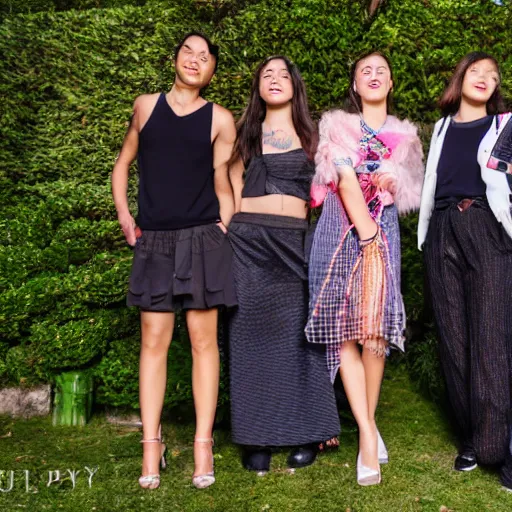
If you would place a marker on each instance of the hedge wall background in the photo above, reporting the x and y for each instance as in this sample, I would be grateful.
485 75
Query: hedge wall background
69 81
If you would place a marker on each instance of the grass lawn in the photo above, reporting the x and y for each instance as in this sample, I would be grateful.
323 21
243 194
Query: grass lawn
418 477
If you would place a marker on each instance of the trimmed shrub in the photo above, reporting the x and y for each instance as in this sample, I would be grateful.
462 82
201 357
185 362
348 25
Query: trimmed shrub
69 81
20 366
118 373
12 7
4 347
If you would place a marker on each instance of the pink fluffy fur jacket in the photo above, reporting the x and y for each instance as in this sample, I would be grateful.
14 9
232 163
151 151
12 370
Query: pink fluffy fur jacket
403 171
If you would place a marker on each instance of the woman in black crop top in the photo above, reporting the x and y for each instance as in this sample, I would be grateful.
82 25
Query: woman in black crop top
280 389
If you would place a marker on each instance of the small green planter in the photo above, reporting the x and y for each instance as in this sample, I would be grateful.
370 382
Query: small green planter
73 398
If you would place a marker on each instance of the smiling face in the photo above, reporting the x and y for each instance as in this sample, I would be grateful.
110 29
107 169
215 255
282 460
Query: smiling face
480 81
372 80
275 85
195 64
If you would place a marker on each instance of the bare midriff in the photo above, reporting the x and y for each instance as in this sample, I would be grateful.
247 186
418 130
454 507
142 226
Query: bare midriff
275 204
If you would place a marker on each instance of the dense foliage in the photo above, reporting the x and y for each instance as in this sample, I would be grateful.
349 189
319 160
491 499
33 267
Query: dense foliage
69 80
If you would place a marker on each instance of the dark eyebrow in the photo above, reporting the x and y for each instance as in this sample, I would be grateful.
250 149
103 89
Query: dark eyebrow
272 69
200 53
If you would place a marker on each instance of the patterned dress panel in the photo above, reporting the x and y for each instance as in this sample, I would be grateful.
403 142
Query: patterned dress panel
355 287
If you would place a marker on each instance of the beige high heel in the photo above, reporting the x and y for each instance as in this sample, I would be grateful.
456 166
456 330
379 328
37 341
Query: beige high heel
204 481
381 447
366 475
153 481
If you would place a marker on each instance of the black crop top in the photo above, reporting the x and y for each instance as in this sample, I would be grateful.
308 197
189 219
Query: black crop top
287 173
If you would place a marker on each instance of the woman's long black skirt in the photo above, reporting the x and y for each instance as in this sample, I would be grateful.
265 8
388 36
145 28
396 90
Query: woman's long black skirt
281 394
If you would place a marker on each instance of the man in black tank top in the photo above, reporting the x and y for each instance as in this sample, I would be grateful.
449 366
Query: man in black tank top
182 258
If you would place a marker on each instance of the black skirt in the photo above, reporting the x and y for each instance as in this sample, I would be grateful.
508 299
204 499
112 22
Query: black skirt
281 394
182 269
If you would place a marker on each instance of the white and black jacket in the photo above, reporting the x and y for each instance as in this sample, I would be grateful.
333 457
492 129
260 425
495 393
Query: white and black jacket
497 192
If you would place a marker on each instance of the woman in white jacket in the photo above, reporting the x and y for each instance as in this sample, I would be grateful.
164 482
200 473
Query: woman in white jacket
465 231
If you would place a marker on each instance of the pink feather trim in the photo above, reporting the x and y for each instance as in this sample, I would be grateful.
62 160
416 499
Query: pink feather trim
339 138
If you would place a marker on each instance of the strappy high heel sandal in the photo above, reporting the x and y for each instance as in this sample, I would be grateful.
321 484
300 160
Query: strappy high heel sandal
204 481
153 481
331 444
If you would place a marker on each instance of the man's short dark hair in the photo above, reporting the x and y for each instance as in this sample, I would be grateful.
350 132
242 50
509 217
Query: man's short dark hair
212 48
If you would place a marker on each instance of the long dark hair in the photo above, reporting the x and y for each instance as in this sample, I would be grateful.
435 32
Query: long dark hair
249 130
353 103
452 95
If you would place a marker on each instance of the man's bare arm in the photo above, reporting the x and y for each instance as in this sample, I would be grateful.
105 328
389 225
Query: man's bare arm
120 175
222 148
236 177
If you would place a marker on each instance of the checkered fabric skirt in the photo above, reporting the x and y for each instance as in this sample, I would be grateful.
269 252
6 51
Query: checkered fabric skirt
354 288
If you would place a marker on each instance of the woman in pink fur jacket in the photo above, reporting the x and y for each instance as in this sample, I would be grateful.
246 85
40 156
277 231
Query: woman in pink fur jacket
368 170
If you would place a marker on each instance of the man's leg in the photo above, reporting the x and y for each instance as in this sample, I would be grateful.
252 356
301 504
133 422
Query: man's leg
202 328
157 331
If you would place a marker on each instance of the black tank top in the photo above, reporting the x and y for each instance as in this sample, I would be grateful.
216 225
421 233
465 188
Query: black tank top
175 161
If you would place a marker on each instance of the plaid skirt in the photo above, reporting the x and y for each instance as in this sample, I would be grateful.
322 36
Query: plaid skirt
354 288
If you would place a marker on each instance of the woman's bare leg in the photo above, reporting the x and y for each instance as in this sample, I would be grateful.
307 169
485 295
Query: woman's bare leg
353 375
374 372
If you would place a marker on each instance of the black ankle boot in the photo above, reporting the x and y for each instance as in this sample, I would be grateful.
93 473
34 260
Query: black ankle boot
256 458
302 456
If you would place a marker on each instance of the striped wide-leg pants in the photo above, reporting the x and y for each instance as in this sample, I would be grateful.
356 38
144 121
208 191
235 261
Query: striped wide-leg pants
468 258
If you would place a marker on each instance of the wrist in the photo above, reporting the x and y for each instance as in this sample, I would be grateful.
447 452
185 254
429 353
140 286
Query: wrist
340 162
123 212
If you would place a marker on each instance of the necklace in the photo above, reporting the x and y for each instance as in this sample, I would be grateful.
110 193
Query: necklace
371 147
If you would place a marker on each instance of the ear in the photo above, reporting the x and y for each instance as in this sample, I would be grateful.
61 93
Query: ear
391 85
354 87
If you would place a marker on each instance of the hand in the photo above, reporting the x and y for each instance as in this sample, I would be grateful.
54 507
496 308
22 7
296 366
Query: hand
221 226
127 224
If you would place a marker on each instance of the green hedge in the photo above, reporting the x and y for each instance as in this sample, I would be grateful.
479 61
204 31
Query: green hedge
10 7
69 81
